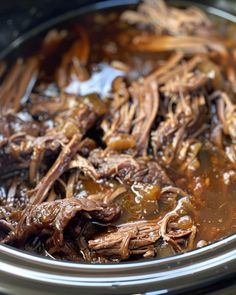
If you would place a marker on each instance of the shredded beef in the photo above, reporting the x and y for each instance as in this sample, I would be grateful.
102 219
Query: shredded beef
53 217
127 168
116 133
129 239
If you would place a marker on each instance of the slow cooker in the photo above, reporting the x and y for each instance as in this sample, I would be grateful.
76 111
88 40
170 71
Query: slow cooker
208 270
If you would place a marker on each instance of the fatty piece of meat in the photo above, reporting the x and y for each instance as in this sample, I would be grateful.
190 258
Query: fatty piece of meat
127 168
24 150
143 172
53 217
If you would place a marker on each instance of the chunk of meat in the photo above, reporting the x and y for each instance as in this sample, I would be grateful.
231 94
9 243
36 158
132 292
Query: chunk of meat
128 169
57 169
130 125
74 60
187 44
226 111
188 83
162 18
188 117
140 237
146 97
18 84
53 217
135 238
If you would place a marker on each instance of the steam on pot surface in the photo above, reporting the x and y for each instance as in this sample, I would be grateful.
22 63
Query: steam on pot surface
118 136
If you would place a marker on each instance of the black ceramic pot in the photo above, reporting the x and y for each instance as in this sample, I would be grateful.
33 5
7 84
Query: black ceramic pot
209 270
